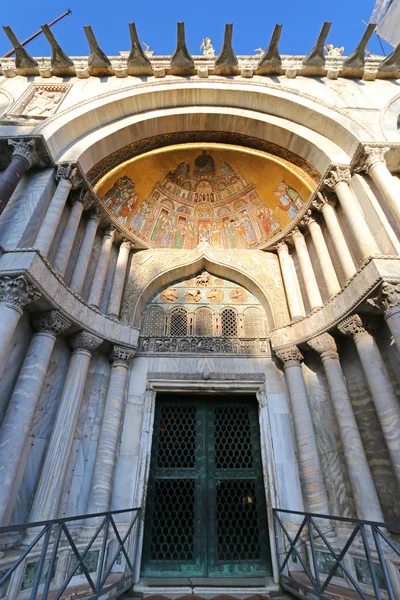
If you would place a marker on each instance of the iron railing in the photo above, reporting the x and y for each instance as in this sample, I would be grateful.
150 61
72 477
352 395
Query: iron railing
325 556
91 555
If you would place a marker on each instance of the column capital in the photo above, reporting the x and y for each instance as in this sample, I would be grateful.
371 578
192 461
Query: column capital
121 355
296 233
127 245
338 175
282 247
290 356
374 155
356 327
109 232
321 200
85 341
325 345
308 219
26 149
50 321
84 198
388 297
16 291
70 173
94 215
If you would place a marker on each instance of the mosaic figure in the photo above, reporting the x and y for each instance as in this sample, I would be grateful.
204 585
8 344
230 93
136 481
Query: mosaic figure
289 199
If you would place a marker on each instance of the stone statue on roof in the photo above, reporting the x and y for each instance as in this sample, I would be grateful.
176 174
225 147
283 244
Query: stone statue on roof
207 47
332 51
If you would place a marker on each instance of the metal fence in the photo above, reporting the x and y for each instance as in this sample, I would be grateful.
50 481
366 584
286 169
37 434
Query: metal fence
325 556
90 555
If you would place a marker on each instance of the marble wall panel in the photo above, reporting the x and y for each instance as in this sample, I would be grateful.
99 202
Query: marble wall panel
22 217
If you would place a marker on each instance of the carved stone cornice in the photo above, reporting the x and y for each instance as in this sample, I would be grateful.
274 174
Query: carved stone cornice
70 173
388 298
290 356
325 345
356 327
338 175
50 321
85 341
121 355
26 149
374 155
16 291
322 200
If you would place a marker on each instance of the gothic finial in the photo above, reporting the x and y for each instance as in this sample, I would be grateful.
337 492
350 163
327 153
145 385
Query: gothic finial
181 62
23 60
60 61
270 61
391 64
356 60
98 63
138 63
316 57
227 62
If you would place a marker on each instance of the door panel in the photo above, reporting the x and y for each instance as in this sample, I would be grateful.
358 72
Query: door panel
206 513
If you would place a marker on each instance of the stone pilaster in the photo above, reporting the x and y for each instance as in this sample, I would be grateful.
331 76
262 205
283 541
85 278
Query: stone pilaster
339 180
15 292
49 490
291 284
310 281
315 496
24 157
17 422
379 383
364 492
85 252
114 304
376 167
67 177
96 289
106 456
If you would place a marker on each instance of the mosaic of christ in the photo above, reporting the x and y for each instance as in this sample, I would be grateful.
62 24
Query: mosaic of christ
226 198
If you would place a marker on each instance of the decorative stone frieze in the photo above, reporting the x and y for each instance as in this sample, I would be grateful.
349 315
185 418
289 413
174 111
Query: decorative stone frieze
26 149
374 155
85 341
17 291
121 355
212 345
338 175
290 356
51 321
325 345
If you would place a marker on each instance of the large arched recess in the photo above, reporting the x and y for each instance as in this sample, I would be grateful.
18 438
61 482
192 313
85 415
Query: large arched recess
91 130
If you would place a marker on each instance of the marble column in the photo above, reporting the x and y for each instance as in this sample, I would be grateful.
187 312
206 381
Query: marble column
15 292
106 456
376 167
18 419
327 209
364 492
67 179
324 259
68 237
310 281
339 180
289 279
315 496
389 300
85 253
51 482
23 158
114 303
378 379
96 289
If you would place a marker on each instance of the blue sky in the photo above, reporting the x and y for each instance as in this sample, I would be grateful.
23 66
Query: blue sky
156 23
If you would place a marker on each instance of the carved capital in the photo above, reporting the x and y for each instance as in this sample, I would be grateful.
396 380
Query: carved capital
85 199
282 247
85 341
290 356
356 327
308 219
322 200
50 321
26 149
70 173
296 233
338 175
325 345
95 216
17 291
374 155
109 233
388 297
121 355
126 245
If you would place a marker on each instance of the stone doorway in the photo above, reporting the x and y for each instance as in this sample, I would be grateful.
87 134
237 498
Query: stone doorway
206 514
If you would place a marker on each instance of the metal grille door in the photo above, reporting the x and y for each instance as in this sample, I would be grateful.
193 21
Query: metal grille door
206 513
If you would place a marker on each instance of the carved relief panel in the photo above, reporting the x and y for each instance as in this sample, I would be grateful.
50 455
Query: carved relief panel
39 101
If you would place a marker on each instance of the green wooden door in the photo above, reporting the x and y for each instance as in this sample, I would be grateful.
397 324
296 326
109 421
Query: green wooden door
206 513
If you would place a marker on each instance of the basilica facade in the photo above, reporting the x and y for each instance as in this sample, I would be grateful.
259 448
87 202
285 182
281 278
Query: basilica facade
199 297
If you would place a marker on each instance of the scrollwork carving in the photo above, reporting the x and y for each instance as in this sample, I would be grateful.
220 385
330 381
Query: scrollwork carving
51 321
338 175
325 345
290 356
355 327
374 155
17 291
26 149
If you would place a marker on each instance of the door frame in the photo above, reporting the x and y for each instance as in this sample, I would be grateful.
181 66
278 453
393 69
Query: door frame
248 386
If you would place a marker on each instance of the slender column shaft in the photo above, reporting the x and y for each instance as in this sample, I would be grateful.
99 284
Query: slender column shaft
17 422
364 492
66 180
85 253
385 400
316 499
96 290
313 293
336 233
377 169
48 493
67 241
339 180
114 303
324 259
102 480
295 306
24 157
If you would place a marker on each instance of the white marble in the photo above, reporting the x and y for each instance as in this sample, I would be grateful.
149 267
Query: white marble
9 317
114 304
293 297
327 269
64 249
312 289
50 223
96 289
84 255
